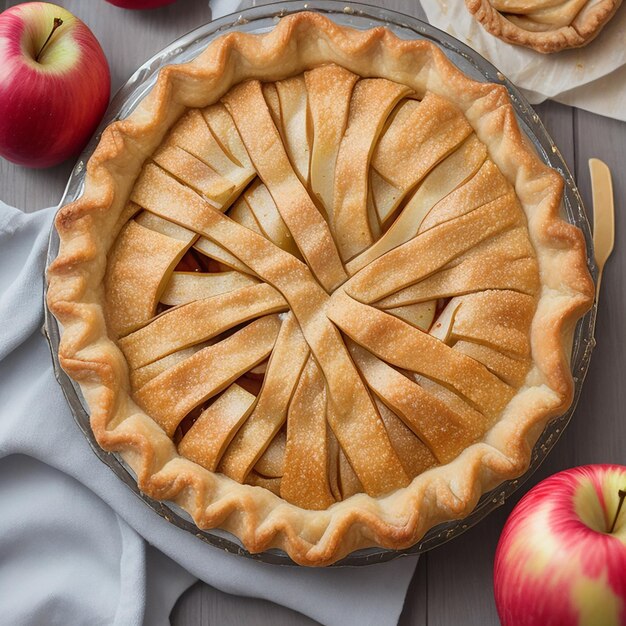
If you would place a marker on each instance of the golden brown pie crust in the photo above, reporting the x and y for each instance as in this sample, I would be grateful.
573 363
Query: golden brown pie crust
513 21
397 513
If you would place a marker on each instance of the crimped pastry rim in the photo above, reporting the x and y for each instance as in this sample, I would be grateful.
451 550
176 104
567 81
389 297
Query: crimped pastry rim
545 42
263 520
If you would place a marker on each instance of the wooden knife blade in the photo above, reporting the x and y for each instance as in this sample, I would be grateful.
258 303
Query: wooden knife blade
603 214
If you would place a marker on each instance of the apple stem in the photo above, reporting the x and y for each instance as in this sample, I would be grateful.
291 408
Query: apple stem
622 494
57 22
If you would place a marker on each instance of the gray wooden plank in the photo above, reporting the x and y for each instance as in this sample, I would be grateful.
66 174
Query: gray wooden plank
600 428
559 122
204 605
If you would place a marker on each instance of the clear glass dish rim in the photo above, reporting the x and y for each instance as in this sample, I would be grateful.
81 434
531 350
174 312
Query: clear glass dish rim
188 46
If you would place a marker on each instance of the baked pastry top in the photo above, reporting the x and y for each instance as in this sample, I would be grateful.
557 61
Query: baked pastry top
322 303
544 25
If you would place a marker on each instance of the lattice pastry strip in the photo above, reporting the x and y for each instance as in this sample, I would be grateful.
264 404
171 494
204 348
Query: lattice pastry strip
401 344
195 173
198 321
270 94
422 255
452 172
371 103
193 135
217 253
137 273
414 454
268 217
311 233
469 415
283 372
271 484
512 370
420 135
272 462
444 431
242 214
293 100
329 90
348 480
486 186
305 479
140 376
496 264
186 287
223 128
216 426
165 227
497 318
170 396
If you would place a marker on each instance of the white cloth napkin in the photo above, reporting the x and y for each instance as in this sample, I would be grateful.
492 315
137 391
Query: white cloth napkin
76 545
590 78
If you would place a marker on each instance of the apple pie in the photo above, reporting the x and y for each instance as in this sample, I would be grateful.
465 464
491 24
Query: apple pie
317 290
544 25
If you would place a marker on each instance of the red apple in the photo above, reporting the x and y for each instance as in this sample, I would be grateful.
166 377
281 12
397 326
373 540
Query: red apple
140 4
54 84
561 559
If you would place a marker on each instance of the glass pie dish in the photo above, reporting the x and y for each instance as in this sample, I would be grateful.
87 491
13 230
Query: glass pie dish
261 19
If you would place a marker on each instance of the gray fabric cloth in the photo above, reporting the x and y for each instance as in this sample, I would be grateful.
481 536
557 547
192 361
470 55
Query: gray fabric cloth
76 545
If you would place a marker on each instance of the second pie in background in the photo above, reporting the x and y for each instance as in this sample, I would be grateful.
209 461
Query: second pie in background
544 25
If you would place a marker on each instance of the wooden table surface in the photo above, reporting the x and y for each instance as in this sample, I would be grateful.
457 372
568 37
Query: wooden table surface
452 584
